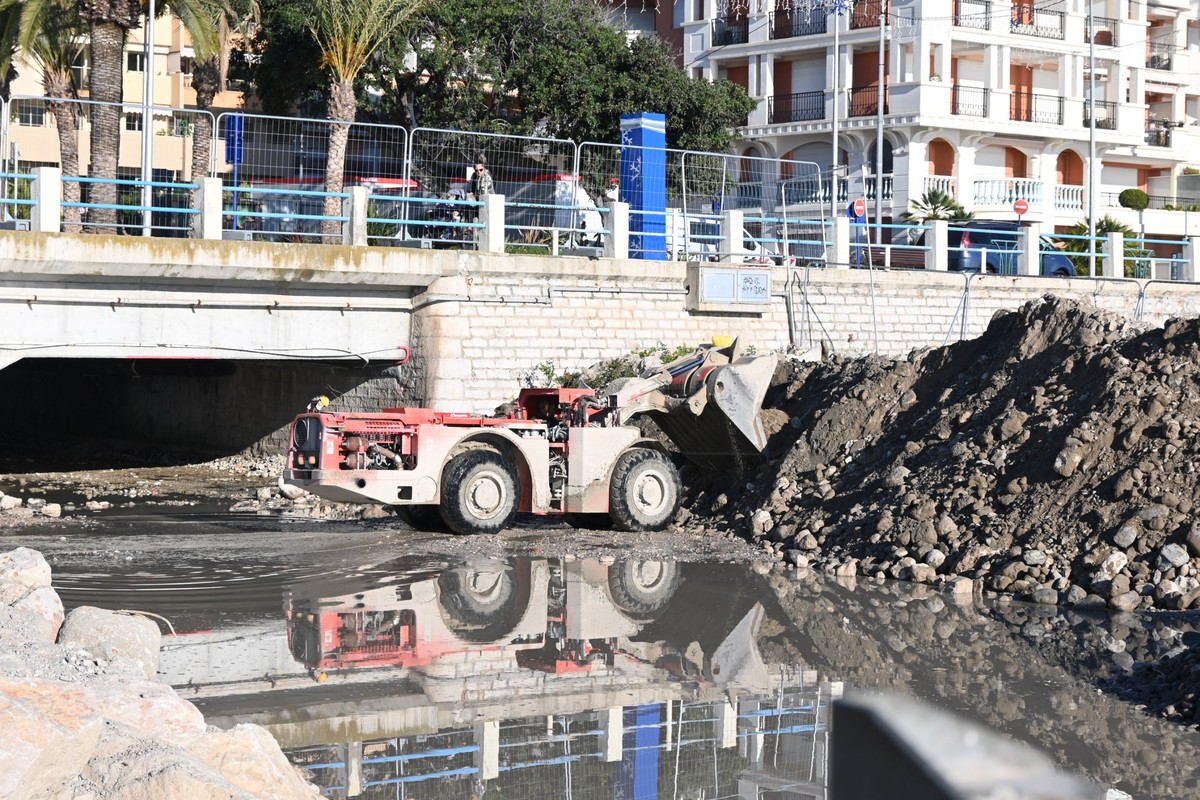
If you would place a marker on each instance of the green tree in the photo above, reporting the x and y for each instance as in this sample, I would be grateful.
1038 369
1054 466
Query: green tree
935 204
230 19
51 32
348 32
1136 259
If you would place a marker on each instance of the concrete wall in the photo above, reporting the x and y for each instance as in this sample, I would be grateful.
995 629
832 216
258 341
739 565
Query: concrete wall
503 316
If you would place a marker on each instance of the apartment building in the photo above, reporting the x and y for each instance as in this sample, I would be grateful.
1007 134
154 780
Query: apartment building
984 99
33 141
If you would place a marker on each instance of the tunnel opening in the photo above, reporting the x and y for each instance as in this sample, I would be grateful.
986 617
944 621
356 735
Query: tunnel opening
75 414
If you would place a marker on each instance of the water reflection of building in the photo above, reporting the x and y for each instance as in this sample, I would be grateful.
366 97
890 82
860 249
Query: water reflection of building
540 678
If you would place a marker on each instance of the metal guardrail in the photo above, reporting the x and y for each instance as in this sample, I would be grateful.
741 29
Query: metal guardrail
797 107
1106 114
798 22
976 14
969 101
1036 107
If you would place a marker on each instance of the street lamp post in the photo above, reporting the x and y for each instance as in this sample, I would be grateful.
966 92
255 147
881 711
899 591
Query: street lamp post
1091 178
147 120
838 7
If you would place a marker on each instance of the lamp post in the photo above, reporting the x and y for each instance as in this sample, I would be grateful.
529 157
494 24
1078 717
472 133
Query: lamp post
838 7
148 120
1091 177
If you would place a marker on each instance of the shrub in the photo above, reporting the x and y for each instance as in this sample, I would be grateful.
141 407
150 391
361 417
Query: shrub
1134 198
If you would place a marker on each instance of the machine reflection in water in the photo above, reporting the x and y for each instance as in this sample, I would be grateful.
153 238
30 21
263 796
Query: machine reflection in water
547 678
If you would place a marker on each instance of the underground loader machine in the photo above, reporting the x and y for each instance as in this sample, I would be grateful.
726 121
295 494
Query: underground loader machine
563 451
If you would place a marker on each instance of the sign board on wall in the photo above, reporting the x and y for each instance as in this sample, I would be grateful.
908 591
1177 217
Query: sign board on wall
731 287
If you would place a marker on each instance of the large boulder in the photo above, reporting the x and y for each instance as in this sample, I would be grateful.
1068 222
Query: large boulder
49 735
24 567
249 757
109 635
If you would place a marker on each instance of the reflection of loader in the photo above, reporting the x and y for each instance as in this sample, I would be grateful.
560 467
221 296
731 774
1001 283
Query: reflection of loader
548 615
564 451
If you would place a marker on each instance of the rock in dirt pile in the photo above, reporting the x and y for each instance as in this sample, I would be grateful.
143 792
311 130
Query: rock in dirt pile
1050 458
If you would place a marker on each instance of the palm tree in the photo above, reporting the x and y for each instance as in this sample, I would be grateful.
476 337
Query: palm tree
936 204
1136 261
348 32
55 41
109 22
210 72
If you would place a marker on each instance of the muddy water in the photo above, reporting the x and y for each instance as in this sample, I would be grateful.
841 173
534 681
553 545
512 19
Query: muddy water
392 665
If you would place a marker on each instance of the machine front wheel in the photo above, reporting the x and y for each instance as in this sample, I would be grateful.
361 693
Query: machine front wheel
642 589
644 493
479 494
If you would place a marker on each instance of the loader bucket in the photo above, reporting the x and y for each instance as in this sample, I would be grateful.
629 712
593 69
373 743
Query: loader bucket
718 426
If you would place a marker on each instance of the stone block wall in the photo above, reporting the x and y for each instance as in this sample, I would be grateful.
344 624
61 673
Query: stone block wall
476 333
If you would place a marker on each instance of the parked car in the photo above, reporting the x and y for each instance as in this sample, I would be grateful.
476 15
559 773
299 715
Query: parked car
1002 242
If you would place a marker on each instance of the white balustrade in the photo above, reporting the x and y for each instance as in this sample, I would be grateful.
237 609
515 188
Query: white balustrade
940 183
1001 193
1068 198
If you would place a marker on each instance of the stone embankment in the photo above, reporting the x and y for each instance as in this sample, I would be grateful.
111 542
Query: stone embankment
83 716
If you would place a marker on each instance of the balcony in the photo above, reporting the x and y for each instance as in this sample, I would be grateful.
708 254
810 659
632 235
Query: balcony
800 107
866 13
864 101
1160 55
975 14
1159 134
1034 107
730 31
1106 115
1068 197
945 184
969 101
1105 32
810 190
790 24
887 186
1040 22
999 194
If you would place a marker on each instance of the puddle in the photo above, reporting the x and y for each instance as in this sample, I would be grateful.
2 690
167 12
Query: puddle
395 674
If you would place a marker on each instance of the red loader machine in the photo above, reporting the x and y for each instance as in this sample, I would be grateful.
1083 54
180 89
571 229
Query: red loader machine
563 451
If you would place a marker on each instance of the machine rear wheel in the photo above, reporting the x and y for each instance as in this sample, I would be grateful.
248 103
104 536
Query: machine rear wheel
642 589
479 493
644 492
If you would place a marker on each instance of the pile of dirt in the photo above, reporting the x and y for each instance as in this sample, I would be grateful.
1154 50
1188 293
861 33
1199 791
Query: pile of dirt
1049 458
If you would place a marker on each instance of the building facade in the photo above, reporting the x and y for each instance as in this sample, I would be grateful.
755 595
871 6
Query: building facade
986 100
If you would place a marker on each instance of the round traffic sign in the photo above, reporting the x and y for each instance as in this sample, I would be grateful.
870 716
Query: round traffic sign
1020 207
860 207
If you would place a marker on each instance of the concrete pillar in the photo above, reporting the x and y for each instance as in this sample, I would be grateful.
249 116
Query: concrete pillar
612 725
938 240
491 216
439 329
733 232
353 762
1113 263
838 254
1030 260
725 724
208 208
354 229
45 215
616 244
1190 268
487 758
964 180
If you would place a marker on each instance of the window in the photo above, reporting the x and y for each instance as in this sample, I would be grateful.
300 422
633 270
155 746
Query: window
135 62
30 112
133 121
181 126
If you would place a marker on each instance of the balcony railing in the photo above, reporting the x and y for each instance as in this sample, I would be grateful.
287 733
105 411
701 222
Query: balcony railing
1067 197
730 31
975 14
1035 107
797 107
969 101
887 187
1160 55
787 24
1041 22
1158 135
939 183
1156 201
866 13
1003 192
1106 115
1106 31
809 189
864 101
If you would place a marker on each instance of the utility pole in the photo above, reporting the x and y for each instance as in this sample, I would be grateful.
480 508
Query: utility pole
835 161
147 121
879 101
1091 176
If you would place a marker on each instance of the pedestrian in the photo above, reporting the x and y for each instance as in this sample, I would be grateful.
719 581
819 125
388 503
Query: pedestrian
481 181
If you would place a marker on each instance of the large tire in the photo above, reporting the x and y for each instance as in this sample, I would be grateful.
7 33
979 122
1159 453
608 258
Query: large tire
424 518
644 493
479 492
480 604
643 589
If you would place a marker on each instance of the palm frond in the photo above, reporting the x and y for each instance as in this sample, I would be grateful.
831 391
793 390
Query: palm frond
349 31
